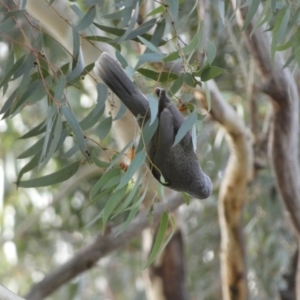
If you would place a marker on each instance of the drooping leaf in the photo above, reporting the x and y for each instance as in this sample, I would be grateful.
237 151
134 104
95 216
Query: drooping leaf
32 150
53 143
104 128
98 162
173 7
133 167
56 177
153 104
77 62
139 31
158 10
115 198
29 166
68 114
159 239
211 52
7 25
149 45
35 131
176 85
87 20
120 32
251 12
103 180
192 45
185 127
147 134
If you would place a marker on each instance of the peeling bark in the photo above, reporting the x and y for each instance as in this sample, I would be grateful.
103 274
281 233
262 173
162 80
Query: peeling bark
232 196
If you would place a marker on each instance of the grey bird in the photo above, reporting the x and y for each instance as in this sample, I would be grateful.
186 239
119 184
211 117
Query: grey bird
175 167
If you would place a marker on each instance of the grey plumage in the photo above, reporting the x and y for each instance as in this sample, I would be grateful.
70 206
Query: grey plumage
178 165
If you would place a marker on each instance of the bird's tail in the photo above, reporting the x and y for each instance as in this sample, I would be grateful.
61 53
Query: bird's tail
111 72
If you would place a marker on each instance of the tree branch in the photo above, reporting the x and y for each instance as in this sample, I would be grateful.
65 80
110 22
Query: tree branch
87 257
232 196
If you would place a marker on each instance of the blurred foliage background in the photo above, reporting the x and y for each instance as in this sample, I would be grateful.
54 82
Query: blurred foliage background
42 228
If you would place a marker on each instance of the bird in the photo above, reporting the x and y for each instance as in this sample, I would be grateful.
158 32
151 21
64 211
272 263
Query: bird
176 167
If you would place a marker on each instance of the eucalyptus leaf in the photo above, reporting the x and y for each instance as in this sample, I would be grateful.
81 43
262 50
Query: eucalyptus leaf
138 160
76 129
159 240
185 127
87 20
56 177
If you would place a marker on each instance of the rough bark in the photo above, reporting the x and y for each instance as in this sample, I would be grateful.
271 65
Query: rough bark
232 196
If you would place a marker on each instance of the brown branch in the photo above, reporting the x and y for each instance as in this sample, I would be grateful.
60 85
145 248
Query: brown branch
87 257
232 196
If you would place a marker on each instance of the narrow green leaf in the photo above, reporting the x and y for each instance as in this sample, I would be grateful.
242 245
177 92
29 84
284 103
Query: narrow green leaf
176 85
171 57
113 202
120 154
130 197
29 166
132 213
153 104
101 95
189 79
147 133
173 7
35 131
98 162
91 119
185 127
157 247
158 10
104 128
87 20
76 129
56 177
192 45
211 51
161 77
211 73
120 32
53 143
7 25
104 39
77 63
32 150
121 112
51 118
208 96
149 45
142 30
19 64
59 88
132 22
138 160
251 12
103 180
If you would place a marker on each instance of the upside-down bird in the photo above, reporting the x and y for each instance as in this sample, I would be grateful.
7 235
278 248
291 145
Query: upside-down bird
176 167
